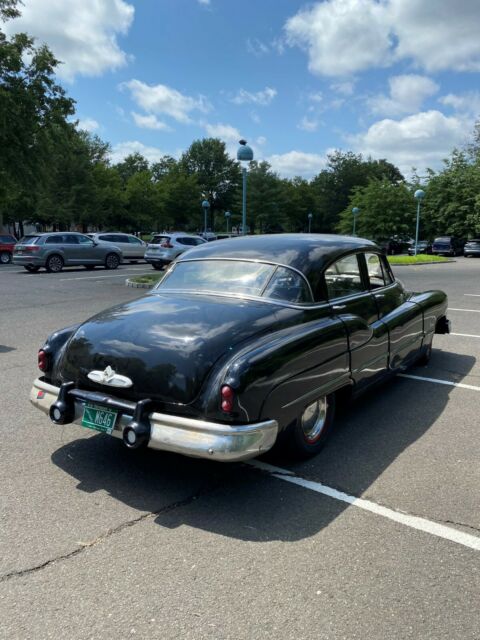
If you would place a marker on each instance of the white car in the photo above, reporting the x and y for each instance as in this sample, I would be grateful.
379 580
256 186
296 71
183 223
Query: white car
131 247
165 247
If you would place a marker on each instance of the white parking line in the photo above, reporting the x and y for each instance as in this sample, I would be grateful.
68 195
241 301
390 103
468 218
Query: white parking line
414 522
472 310
465 335
437 381
472 295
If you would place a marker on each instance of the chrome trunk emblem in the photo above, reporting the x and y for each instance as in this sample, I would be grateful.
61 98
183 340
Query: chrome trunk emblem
110 378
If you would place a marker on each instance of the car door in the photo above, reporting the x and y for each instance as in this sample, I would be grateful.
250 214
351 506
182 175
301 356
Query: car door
350 298
403 318
136 247
88 252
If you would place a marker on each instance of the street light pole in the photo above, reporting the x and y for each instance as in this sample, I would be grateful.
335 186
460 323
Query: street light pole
227 218
310 216
244 154
206 207
418 195
355 212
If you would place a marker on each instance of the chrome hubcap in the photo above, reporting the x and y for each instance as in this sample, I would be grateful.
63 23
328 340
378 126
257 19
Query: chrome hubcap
313 420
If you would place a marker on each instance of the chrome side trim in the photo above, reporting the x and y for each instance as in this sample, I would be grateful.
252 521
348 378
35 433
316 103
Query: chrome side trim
179 434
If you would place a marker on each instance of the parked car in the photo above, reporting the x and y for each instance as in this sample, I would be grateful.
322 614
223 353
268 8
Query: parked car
472 248
7 242
58 249
448 246
164 248
392 246
424 247
132 248
241 344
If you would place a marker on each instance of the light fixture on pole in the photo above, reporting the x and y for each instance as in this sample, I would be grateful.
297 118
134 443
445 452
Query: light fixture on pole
355 212
244 154
419 196
310 216
205 207
227 218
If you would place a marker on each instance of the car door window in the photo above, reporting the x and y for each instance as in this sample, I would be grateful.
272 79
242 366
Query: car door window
343 278
70 239
106 238
55 240
287 285
376 274
133 240
84 240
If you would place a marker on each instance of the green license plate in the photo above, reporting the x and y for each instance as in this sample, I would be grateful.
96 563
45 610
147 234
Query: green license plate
99 418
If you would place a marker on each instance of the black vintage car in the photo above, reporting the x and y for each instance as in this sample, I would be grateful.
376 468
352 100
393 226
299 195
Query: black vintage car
244 342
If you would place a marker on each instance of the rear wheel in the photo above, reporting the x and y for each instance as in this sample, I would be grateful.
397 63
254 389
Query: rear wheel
5 257
31 268
112 261
307 435
54 263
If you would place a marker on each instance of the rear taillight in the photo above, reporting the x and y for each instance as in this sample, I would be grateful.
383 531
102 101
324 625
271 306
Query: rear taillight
31 249
42 360
228 397
166 245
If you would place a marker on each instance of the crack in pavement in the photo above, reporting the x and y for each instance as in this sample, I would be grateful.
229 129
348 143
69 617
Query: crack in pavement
110 532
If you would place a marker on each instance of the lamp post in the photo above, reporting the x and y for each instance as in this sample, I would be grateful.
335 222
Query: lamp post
227 218
419 196
310 216
355 212
206 207
244 154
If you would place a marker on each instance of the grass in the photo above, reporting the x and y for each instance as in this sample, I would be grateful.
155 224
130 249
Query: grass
150 278
421 258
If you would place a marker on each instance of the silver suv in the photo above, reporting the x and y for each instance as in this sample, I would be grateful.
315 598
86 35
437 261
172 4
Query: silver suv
164 248
56 250
131 247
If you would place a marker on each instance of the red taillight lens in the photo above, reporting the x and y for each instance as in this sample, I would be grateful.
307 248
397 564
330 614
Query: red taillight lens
31 249
42 360
228 397
166 245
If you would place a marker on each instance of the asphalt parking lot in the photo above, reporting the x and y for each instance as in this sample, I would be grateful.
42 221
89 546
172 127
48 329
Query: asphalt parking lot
99 543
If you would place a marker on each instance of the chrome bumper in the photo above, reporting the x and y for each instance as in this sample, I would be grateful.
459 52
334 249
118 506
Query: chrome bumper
188 436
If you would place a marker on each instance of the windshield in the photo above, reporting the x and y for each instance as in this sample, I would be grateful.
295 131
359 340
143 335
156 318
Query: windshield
237 277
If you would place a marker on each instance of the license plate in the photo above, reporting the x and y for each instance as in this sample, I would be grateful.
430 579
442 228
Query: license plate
99 418
17 251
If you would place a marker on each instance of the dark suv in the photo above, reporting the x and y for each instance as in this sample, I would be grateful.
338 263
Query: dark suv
448 246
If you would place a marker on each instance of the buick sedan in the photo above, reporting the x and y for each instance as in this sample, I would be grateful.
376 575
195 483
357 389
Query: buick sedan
245 342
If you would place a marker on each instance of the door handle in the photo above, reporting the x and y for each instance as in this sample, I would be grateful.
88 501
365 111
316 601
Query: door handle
339 307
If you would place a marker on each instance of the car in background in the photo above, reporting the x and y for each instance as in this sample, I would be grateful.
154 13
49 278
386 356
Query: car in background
131 247
448 246
424 247
164 248
472 248
392 246
64 248
209 236
7 242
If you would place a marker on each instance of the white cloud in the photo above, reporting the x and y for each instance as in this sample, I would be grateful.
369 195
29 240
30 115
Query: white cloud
297 163
261 140
262 98
123 149
149 122
223 131
342 37
88 124
407 94
160 99
206 3
466 103
316 97
83 35
421 140
308 124
256 47
345 88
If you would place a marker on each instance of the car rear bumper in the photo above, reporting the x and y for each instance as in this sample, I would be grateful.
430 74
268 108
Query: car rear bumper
28 259
179 434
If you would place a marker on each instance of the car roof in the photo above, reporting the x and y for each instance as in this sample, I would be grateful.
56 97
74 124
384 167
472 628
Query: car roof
306 252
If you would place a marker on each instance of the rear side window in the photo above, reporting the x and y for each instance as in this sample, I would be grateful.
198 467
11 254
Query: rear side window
71 239
133 240
55 240
378 273
191 242
343 277
107 238
287 285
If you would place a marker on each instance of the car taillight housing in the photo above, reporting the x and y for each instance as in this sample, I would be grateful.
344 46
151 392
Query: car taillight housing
31 248
42 360
227 395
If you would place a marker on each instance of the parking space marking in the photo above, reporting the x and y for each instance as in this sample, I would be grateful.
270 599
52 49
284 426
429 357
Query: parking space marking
472 295
414 522
464 335
471 310
461 385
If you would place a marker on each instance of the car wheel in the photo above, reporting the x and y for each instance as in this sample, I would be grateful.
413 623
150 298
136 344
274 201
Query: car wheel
89 267
112 261
307 435
5 257
31 268
54 263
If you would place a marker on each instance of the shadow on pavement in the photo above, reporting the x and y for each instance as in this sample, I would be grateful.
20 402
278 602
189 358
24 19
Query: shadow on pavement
240 502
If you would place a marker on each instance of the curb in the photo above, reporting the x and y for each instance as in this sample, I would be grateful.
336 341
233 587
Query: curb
418 264
137 285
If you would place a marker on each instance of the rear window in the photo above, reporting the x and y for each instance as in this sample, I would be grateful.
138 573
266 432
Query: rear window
30 240
159 239
443 240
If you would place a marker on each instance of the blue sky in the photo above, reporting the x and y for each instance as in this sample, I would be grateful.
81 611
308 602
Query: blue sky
395 79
